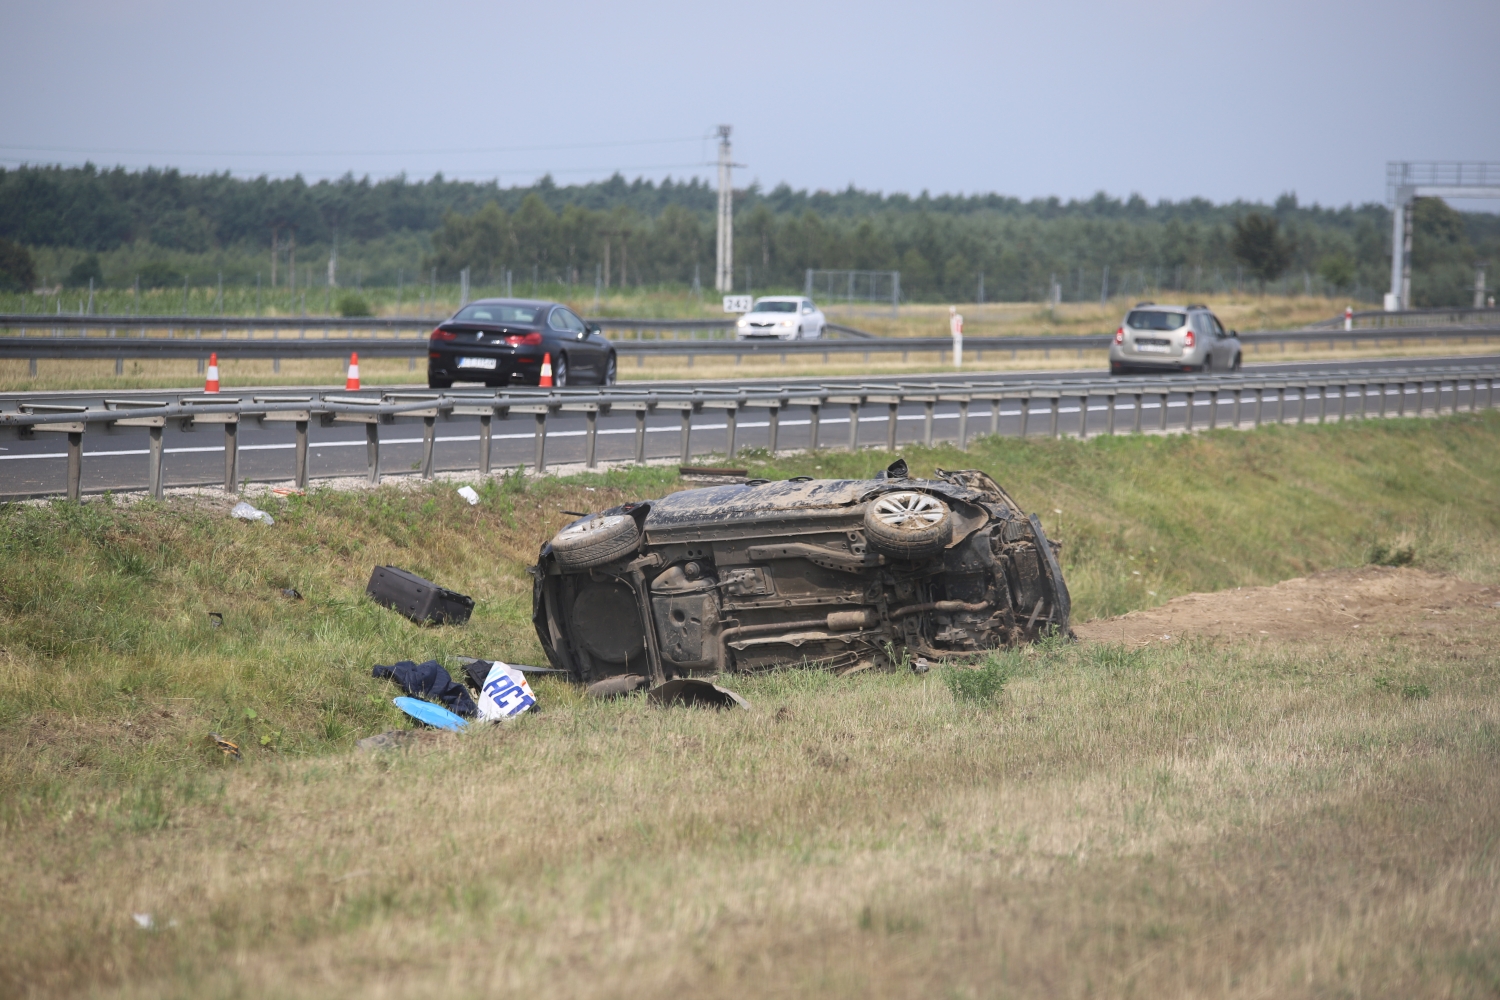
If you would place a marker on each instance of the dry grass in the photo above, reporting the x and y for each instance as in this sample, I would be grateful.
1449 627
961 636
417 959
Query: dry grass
1230 819
1204 820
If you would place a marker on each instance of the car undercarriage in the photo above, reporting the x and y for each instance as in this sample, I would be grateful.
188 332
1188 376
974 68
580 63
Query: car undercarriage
833 574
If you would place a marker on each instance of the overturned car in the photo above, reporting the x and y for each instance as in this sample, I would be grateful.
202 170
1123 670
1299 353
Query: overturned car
838 574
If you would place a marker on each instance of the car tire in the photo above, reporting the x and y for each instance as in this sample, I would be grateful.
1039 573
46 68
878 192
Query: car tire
439 383
906 524
611 371
560 371
596 541
1236 366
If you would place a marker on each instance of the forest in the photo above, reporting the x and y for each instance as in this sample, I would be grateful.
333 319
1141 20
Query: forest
160 227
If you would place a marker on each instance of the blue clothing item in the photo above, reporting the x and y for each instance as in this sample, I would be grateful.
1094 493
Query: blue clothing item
430 681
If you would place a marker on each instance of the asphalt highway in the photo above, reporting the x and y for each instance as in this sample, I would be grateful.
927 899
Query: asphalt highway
116 459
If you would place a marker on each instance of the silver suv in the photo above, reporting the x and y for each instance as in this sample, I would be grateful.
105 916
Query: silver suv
1155 338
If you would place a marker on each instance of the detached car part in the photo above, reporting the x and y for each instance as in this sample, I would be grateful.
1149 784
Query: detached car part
830 573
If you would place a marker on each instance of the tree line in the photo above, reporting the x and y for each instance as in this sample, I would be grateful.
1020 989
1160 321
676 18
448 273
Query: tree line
956 247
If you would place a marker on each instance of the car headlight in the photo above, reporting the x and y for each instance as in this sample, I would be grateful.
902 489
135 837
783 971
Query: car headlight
785 322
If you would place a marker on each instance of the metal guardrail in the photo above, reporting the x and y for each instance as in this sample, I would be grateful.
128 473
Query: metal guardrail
373 410
1379 319
120 348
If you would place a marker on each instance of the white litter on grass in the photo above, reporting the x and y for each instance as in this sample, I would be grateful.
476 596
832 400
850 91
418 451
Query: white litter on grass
504 694
143 920
467 492
245 512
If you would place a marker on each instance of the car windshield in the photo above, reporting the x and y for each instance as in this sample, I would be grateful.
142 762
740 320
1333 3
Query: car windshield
1154 319
767 306
490 312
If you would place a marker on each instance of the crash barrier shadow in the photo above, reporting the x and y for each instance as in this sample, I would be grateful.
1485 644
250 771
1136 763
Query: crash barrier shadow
1252 399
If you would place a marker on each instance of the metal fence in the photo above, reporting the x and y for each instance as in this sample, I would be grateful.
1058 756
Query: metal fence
1320 396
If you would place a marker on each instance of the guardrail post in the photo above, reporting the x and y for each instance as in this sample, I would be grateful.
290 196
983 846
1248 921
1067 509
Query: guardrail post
1083 415
890 427
1322 402
1139 414
1238 395
301 426
1188 419
1165 396
640 436
813 415
372 452
31 368
731 422
119 364
963 425
541 442
687 431
854 426
1109 406
75 465
927 415
591 418
231 455
1489 392
429 434
995 416
1401 399
486 433
1260 403
153 463
1025 413
1384 386
1213 409
1302 403
775 416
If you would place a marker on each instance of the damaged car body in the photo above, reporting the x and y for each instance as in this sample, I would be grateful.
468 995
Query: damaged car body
835 574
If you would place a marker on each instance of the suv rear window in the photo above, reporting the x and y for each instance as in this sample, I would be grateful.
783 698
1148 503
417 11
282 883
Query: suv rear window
1153 319
491 313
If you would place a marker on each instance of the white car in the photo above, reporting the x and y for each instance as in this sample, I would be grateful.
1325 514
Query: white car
783 317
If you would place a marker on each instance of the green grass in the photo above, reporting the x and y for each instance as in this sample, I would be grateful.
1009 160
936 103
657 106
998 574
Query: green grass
104 609
1064 818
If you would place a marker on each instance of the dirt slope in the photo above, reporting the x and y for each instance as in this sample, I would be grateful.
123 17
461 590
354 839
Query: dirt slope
1372 600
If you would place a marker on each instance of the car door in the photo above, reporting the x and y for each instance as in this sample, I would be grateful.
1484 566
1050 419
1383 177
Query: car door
588 349
1223 351
807 319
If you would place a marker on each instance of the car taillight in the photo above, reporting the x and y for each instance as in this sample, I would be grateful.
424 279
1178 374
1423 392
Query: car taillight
523 339
1188 340
441 334
1120 335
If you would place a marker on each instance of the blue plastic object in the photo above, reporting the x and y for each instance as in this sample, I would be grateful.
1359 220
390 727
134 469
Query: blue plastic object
433 715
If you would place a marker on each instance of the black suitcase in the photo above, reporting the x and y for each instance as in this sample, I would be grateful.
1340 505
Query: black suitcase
418 599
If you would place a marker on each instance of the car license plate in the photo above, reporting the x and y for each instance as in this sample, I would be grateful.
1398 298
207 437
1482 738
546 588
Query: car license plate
1154 348
477 363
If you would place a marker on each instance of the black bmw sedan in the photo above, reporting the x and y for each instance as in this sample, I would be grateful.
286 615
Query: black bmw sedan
503 341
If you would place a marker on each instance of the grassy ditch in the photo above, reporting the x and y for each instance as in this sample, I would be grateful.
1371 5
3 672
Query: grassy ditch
1069 817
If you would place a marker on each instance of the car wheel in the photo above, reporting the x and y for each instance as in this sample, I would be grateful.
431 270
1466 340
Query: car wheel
560 371
439 383
908 525
611 371
596 541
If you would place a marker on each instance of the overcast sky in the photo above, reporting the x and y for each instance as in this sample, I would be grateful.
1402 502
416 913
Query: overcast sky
1170 99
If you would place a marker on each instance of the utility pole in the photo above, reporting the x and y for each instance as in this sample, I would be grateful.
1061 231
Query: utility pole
724 275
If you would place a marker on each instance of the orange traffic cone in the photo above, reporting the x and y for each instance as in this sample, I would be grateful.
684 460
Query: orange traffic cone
546 379
211 383
352 382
